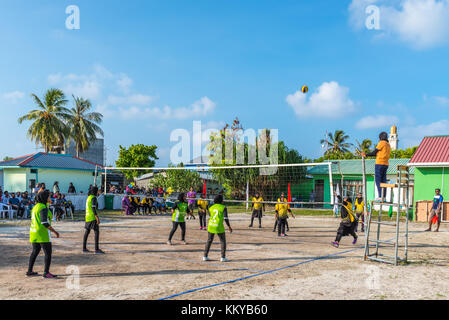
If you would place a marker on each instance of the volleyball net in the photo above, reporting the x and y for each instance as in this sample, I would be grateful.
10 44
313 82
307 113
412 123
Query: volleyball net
303 184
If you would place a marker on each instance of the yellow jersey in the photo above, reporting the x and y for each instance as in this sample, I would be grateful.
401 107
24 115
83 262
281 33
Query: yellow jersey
257 205
359 205
203 204
383 155
282 209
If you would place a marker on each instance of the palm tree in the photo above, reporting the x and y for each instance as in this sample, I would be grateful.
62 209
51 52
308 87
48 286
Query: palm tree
83 125
364 146
48 127
336 143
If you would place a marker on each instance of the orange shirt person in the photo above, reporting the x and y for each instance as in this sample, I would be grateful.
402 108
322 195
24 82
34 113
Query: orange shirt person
382 154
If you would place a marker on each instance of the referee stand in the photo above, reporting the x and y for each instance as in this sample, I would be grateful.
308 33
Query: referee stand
375 244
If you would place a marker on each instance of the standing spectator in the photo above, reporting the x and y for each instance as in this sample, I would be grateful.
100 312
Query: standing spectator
382 154
1 194
26 204
71 188
191 196
42 187
312 198
56 187
436 210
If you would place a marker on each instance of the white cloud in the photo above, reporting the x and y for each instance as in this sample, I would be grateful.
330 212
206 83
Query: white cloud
412 135
200 108
124 83
442 100
330 101
377 122
134 99
421 24
13 97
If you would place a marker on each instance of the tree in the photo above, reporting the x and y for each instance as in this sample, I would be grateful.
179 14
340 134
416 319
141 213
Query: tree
177 180
403 154
7 158
336 143
48 128
83 125
364 146
136 156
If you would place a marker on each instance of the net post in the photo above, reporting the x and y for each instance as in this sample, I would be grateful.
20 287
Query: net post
105 180
331 183
365 192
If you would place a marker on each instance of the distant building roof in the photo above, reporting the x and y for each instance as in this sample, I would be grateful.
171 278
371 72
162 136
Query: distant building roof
50 161
432 151
355 167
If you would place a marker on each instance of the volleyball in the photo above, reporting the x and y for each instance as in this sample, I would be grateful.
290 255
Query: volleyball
305 89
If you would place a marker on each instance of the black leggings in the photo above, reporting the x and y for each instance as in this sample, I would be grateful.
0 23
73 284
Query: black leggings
97 238
202 217
256 214
276 224
210 239
36 250
175 227
282 223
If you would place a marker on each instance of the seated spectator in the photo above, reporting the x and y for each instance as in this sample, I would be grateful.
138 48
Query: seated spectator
68 204
71 188
15 204
5 199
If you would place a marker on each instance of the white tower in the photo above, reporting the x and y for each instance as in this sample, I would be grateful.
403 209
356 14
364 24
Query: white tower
394 138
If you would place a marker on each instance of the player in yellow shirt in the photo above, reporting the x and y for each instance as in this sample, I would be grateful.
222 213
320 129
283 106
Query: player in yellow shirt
382 154
258 209
203 206
282 209
359 211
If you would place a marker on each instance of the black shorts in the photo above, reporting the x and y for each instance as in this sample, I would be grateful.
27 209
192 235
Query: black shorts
257 213
92 225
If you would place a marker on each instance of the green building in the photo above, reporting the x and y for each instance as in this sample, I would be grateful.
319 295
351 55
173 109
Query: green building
348 176
431 163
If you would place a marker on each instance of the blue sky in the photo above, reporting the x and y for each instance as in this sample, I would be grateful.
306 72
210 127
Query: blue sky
155 66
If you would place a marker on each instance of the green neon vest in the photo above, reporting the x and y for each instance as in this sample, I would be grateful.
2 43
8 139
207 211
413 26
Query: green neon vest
216 219
38 233
180 212
90 215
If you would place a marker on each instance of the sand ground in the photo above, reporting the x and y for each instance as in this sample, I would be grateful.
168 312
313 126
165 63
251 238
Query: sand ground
140 265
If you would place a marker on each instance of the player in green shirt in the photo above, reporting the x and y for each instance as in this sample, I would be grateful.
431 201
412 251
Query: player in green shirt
218 214
180 210
92 221
40 234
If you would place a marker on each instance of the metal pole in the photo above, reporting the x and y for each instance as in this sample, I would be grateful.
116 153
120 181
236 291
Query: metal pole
367 230
378 228
365 192
331 183
95 178
105 180
398 217
407 215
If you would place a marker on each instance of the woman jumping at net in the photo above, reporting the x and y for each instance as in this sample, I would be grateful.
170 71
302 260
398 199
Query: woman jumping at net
348 221
179 210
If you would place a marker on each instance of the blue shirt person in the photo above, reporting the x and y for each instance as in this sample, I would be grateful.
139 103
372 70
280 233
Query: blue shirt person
435 213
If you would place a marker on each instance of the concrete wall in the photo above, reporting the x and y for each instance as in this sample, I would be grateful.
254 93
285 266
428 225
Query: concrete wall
18 179
80 179
14 180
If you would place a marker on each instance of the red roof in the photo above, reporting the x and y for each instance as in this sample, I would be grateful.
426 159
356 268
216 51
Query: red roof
432 150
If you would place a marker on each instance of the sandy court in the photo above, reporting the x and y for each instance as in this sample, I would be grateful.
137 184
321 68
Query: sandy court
140 265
